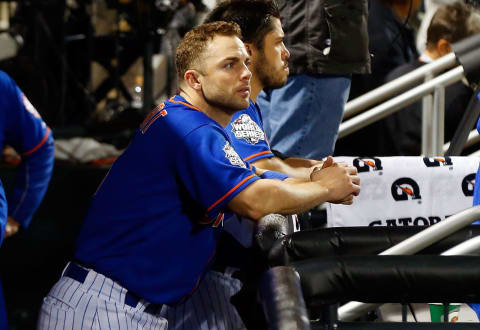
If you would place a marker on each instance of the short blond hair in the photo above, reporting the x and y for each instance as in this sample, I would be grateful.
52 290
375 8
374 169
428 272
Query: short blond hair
191 48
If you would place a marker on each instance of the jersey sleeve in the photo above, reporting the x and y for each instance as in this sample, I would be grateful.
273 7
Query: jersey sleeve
212 170
274 175
248 136
28 134
3 213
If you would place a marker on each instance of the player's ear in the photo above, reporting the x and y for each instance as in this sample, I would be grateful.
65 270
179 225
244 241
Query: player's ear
443 47
192 78
250 47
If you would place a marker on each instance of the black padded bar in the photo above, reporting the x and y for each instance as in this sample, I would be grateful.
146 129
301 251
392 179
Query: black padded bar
353 241
396 326
282 300
270 229
380 279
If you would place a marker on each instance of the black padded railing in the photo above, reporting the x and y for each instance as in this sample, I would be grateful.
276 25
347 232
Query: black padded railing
341 241
282 300
377 279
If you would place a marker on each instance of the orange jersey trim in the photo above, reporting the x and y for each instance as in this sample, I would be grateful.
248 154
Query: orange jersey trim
258 154
184 103
230 192
38 146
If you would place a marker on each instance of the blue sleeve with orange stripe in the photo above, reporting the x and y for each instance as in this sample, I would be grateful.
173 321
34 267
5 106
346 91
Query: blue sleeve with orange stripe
27 133
248 136
476 188
212 170
3 216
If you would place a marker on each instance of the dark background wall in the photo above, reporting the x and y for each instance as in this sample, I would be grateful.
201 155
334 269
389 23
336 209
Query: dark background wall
32 260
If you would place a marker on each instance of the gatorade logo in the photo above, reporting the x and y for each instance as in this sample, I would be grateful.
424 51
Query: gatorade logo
404 189
367 164
437 161
468 183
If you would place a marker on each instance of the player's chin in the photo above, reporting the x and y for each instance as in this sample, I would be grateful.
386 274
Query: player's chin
243 102
280 81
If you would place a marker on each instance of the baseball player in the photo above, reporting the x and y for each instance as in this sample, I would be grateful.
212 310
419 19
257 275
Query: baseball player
209 307
22 128
151 230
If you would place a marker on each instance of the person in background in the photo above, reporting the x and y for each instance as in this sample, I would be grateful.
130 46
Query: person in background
328 42
22 129
401 132
430 8
392 43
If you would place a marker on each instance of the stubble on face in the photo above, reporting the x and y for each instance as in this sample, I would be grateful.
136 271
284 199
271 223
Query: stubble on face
270 67
267 74
224 103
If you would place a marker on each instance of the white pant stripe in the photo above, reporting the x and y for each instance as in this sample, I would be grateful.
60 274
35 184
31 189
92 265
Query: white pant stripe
209 307
85 311
93 320
98 303
103 283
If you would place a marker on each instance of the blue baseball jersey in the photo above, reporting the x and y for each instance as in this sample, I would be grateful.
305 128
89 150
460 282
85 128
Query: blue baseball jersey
476 188
247 134
153 223
22 128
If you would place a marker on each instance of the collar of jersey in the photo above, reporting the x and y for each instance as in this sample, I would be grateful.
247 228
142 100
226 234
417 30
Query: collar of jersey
179 99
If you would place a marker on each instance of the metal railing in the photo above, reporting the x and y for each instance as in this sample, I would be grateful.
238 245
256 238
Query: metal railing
434 113
411 245
463 63
473 137
398 85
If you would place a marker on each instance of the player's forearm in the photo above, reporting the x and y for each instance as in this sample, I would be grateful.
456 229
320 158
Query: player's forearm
296 162
278 165
284 197
290 197
32 178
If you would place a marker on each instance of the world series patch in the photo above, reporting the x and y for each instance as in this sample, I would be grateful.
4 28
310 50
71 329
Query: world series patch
232 156
29 107
245 128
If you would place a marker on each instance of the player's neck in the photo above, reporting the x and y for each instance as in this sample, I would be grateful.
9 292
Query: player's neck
255 88
221 116
432 54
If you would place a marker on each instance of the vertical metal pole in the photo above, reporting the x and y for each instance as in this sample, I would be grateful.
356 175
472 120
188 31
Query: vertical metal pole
4 16
404 312
438 121
427 104
445 312
147 16
330 316
148 75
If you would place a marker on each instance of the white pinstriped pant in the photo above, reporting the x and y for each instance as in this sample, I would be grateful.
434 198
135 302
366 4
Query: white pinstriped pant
97 303
209 307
